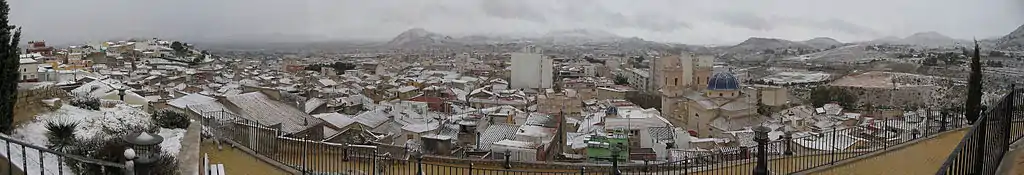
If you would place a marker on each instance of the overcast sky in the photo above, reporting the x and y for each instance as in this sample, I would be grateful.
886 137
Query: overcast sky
682 21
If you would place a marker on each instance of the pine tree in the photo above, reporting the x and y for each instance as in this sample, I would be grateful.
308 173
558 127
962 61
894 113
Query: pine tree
973 105
9 73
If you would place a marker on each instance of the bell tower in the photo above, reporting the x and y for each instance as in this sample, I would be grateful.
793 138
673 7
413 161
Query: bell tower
702 71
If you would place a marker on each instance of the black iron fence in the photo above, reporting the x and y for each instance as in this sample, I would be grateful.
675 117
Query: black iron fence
790 153
25 158
983 148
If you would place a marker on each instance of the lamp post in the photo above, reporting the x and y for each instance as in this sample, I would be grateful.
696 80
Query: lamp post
761 136
143 146
120 93
615 160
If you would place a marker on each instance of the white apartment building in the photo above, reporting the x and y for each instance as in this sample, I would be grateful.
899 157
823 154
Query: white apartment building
638 79
530 69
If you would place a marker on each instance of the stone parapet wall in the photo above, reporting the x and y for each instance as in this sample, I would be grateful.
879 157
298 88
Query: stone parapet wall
30 101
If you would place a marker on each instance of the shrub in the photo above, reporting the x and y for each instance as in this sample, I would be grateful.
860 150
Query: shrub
164 164
108 149
61 134
112 150
120 122
85 102
171 119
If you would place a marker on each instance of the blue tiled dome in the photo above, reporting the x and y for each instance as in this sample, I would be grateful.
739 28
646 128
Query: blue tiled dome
723 81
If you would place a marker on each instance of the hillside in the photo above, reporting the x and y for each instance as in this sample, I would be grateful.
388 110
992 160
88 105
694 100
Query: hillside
922 39
1014 40
760 44
822 43
418 37
845 54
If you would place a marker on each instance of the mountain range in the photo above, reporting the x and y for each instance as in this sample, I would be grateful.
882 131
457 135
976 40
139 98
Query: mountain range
419 37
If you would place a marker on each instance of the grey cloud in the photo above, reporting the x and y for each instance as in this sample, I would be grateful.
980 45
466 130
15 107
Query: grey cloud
746 20
833 24
512 10
673 20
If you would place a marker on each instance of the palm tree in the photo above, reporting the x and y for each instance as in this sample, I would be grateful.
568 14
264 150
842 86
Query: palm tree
61 134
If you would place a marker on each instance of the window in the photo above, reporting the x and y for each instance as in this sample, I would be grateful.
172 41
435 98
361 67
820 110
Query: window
677 81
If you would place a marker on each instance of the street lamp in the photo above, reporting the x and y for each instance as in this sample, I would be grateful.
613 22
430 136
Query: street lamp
144 149
615 159
761 136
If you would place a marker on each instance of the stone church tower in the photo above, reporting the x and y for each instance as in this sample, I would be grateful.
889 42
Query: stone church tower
682 74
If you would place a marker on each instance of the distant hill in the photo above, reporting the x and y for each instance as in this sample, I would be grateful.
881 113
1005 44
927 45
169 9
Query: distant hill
760 44
752 49
1014 40
846 54
822 43
418 37
924 39
932 39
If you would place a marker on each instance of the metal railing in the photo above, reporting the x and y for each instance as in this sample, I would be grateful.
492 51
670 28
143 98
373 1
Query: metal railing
983 147
32 159
790 154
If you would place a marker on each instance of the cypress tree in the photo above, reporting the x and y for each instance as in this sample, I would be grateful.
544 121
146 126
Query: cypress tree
9 74
973 105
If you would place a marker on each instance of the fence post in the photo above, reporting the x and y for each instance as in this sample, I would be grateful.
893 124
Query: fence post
508 163
835 137
304 153
915 132
583 170
344 149
788 139
419 164
471 168
129 164
979 156
615 162
945 115
646 167
1008 118
374 158
761 136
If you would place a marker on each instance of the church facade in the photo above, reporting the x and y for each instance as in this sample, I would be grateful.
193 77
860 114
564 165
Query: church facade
707 103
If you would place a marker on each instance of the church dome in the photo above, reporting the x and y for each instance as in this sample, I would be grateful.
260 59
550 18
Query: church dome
723 81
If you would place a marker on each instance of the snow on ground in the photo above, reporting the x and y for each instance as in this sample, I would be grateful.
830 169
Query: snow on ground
91 124
172 140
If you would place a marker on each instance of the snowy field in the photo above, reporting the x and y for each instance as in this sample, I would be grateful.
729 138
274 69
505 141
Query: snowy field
92 124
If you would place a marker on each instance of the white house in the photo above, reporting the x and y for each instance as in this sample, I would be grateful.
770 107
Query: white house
29 69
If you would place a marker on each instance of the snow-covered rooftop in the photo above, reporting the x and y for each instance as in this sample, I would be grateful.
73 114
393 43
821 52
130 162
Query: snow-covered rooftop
190 99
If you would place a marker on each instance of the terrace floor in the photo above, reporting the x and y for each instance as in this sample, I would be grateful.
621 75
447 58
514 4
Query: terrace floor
237 161
922 157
